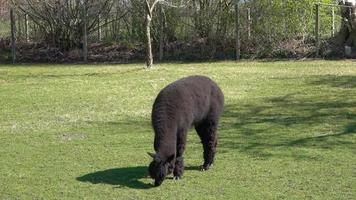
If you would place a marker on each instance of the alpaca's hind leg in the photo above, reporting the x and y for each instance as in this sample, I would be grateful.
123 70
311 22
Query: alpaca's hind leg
179 164
207 132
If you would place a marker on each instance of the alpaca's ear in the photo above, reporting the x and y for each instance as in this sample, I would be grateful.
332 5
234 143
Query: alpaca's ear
170 158
152 155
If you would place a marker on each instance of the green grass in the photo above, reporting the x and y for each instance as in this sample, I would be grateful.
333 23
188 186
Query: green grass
82 132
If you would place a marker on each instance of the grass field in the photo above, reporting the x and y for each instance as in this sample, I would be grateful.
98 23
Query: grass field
82 132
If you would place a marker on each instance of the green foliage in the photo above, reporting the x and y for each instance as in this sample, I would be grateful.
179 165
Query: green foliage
5 29
82 132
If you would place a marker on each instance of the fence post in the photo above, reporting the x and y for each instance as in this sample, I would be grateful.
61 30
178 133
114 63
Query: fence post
161 34
333 20
304 24
13 35
85 34
105 28
99 29
19 30
237 30
317 29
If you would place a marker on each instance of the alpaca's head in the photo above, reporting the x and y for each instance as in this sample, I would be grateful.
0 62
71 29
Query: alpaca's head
159 168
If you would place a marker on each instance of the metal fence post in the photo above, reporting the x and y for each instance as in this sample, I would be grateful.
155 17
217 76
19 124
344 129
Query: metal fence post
161 33
317 29
333 20
237 30
85 33
99 29
13 36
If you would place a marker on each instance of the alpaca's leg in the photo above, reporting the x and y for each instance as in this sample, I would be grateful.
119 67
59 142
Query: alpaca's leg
207 132
179 164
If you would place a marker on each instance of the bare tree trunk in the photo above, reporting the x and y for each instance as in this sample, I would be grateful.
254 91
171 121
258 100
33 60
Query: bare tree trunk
248 23
149 10
149 63
26 28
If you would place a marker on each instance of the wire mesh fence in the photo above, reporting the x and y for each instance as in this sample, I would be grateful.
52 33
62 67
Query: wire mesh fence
270 29
262 32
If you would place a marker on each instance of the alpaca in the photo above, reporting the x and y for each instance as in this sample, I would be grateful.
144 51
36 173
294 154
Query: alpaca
191 101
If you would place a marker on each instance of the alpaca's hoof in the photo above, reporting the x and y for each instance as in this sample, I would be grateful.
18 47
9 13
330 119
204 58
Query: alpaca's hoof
204 167
176 178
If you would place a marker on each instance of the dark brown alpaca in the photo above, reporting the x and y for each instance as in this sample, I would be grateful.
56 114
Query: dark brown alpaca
192 101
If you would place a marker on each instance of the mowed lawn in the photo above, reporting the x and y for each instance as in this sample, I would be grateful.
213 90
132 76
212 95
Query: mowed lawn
82 132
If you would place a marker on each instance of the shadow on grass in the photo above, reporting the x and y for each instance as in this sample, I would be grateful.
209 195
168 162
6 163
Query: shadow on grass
349 129
336 81
192 168
273 126
121 177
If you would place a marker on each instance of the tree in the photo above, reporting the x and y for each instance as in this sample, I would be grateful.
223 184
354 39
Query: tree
62 21
150 6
